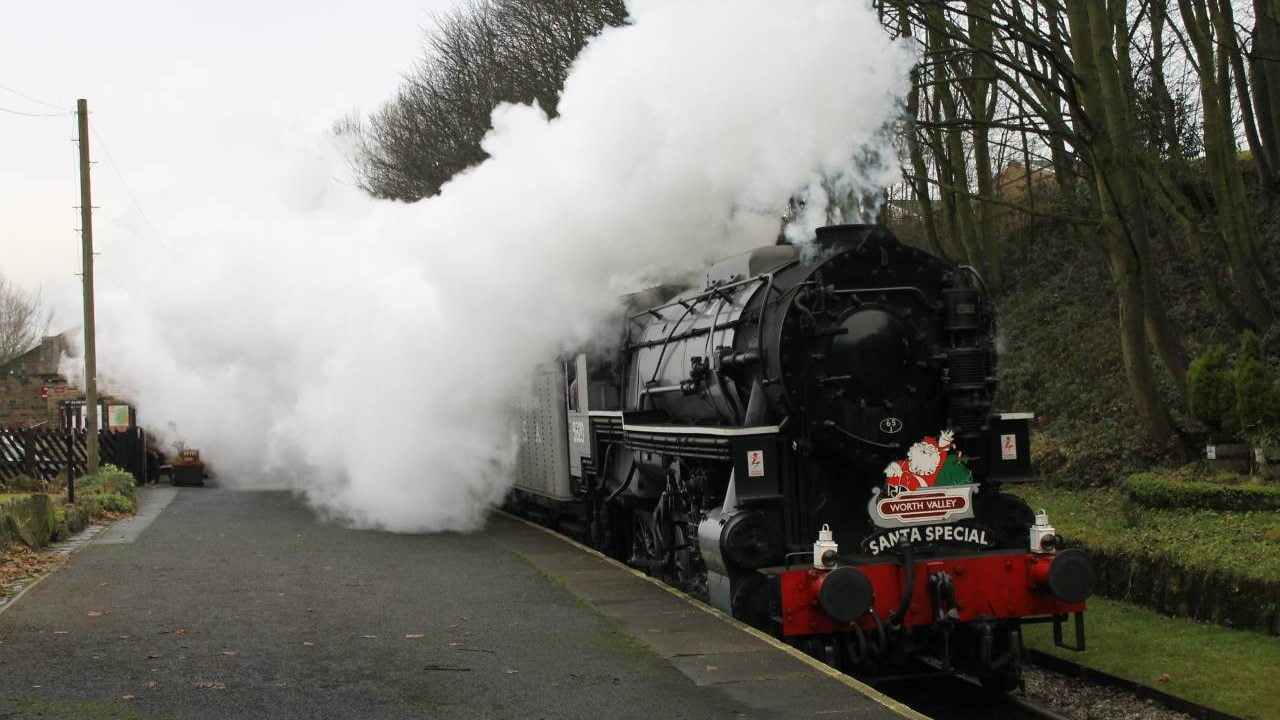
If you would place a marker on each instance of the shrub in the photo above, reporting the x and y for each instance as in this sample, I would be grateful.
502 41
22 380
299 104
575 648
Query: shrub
1211 393
1154 491
26 483
115 502
91 505
108 479
1256 396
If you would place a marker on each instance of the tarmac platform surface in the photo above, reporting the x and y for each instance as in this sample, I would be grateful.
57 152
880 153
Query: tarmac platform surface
220 604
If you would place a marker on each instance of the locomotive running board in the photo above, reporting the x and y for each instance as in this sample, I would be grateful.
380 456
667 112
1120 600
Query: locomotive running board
713 431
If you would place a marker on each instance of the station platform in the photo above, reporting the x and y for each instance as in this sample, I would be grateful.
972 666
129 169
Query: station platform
220 604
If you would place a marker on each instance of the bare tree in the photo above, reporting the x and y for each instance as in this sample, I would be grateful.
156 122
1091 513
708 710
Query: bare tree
23 320
485 53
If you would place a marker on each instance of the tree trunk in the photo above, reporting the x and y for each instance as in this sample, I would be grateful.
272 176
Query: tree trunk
1264 66
920 183
1105 109
1137 365
1221 165
1229 41
981 105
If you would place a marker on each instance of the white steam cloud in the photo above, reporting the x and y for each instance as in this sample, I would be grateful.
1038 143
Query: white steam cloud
367 353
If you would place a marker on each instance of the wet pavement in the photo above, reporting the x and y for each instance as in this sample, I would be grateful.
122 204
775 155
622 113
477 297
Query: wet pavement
220 604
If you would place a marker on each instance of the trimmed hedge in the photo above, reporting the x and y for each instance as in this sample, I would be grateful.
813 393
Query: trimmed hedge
1170 587
1153 491
1206 564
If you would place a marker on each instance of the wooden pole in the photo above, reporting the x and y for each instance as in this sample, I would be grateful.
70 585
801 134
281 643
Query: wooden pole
86 249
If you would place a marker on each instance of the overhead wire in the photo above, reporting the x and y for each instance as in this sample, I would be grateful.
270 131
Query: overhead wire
27 114
105 151
119 175
35 99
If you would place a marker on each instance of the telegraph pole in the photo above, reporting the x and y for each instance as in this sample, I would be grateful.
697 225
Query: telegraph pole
86 251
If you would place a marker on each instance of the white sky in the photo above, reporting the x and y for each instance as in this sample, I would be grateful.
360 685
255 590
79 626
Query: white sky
160 75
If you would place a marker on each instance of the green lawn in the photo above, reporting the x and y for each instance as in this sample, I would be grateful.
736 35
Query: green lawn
10 497
1229 670
1243 543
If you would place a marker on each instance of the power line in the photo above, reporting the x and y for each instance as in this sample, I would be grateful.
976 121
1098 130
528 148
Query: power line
35 99
115 168
27 114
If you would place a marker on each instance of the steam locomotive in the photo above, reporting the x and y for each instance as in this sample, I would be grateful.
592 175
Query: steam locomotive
805 438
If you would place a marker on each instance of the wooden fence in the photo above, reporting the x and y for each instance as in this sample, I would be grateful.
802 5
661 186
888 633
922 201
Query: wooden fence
46 454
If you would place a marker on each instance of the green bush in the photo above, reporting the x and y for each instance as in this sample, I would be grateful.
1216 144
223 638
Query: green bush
26 483
91 505
108 479
114 502
1256 396
1211 393
1153 491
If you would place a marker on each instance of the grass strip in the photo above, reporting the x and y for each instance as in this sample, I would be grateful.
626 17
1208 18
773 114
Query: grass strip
1234 671
1238 543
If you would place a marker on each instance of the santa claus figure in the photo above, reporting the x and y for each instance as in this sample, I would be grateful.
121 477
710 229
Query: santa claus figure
930 462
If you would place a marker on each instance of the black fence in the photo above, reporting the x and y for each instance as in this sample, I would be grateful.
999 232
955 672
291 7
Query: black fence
50 454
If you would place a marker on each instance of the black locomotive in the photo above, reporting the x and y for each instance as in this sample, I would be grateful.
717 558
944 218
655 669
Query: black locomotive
805 437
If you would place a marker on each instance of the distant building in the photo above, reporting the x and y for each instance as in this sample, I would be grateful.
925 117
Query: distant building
33 394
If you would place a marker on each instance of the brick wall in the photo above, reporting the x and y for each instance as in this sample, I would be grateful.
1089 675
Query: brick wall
31 389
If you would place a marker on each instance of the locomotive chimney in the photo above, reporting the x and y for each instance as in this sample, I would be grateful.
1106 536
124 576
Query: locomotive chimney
841 237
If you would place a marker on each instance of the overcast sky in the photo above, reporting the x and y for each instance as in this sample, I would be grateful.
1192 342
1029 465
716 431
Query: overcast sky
161 75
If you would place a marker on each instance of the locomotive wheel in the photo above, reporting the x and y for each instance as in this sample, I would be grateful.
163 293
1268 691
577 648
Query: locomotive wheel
645 551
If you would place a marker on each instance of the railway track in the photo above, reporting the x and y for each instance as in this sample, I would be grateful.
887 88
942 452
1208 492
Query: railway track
1077 672
958 697
1086 693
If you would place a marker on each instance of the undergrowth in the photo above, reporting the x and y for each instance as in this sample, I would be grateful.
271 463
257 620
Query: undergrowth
1060 355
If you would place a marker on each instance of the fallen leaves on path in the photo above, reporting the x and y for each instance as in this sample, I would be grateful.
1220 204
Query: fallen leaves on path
19 563
208 685
414 635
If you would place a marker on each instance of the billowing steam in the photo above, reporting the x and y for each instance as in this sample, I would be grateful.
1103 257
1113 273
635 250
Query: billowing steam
367 353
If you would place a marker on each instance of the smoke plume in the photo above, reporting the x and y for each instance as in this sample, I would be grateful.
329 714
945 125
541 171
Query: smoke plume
367 354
